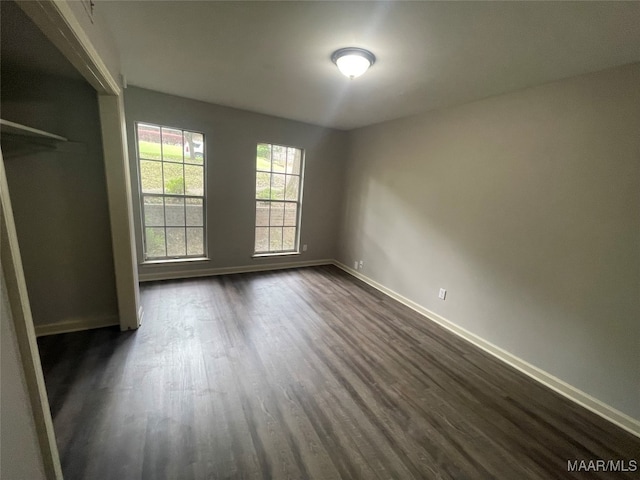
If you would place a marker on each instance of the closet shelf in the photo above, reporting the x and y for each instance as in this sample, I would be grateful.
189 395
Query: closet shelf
13 128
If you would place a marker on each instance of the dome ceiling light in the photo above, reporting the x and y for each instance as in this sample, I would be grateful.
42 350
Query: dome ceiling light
353 61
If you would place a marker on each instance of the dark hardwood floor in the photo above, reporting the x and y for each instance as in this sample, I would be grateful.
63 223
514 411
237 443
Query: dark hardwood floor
302 374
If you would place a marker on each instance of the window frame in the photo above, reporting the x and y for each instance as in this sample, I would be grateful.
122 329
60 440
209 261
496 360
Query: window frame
147 259
298 202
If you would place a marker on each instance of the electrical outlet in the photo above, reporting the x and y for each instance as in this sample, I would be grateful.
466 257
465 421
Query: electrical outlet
361 264
304 247
355 265
443 294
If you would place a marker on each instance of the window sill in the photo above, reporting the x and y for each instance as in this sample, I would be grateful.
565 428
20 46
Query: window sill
279 254
173 261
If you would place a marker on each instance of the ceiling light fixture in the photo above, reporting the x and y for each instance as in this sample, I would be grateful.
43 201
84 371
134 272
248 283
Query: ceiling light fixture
353 61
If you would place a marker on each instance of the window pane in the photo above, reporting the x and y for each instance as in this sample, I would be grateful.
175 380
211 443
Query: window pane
195 212
263 189
277 214
193 147
289 238
263 157
277 187
172 145
195 241
171 165
194 179
291 189
176 245
262 214
154 239
173 182
291 214
275 239
153 211
151 176
279 158
262 239
293 161
174 211
149 141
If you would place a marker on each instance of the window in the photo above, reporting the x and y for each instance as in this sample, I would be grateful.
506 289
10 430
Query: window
278 198
171 165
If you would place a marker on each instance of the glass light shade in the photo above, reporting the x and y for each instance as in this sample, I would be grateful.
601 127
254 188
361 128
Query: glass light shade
353 61
353 66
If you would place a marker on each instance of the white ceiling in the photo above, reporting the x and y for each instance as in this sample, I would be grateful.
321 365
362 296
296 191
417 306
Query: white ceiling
274 57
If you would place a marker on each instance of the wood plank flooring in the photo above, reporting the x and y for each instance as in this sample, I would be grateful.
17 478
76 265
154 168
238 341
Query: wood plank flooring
304 374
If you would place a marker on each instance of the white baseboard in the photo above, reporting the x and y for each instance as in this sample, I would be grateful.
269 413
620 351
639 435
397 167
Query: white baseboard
76 325
598 407
191 273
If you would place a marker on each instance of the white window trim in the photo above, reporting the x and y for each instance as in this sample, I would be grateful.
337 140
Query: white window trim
296 250
172 259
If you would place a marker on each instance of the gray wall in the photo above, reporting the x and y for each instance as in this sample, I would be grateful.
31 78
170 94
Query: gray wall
20 456
526 208
231 137
59 199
